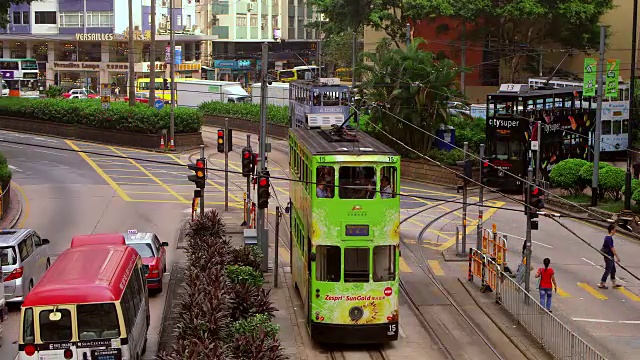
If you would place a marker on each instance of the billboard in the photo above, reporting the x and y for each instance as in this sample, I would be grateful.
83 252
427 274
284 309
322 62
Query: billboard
184 16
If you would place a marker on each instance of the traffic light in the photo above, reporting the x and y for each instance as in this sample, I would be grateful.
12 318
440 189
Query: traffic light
200 173
220 140
536 202
165 84
263 190
485 168
247 162
468 170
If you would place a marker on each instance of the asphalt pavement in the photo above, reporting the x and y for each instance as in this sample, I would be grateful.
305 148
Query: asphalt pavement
66 196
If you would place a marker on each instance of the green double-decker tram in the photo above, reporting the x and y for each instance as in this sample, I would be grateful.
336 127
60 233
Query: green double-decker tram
345 224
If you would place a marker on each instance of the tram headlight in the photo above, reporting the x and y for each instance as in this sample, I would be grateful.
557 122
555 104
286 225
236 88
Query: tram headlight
356 313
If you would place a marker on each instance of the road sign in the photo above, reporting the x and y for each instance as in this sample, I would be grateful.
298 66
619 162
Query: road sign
105 96
158 104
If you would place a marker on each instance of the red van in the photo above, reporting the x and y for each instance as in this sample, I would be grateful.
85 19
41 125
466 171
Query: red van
95 239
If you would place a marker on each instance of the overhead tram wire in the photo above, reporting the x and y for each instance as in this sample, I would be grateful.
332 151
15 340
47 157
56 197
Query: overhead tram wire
505 171
238 172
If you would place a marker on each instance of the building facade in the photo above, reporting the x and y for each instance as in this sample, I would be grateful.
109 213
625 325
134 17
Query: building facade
84 43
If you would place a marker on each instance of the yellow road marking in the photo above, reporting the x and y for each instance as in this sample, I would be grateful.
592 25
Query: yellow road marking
27 209
100 172
150 192
435 267
118 169
563 293
629 294
136 183
234 197
402 187
170 190
231 164
592 291
404 267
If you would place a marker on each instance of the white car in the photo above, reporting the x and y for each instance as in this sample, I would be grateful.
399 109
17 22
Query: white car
5 89
80 94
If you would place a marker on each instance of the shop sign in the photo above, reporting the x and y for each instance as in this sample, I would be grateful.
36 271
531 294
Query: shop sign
94 37
115 66
76 65
224 63
189 67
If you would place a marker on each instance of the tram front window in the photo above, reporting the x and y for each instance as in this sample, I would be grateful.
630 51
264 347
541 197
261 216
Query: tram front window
356 264
506 150
328 261
384 263
606 127
357 182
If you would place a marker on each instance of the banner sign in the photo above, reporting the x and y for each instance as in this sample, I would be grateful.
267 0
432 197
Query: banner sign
590 77
613 72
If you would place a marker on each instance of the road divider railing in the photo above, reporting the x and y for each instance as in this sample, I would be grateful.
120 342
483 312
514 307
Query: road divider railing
555 336
5 200
494 245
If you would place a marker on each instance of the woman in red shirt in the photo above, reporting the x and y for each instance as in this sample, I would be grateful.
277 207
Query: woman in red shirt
547 282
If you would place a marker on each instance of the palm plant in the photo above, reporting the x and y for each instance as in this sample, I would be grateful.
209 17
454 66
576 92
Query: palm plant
411 84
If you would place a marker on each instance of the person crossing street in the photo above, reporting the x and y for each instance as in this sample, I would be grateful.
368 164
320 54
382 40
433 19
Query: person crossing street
610 253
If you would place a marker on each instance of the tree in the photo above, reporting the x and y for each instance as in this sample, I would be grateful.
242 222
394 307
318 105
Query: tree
4 9
337 50
353 15
410 84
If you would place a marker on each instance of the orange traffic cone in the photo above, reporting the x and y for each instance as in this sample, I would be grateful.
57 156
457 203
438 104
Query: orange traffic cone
161 142
171 145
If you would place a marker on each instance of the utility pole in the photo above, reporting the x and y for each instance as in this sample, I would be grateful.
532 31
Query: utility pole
152 55
172 68
408 34
632 88
263 235
205 174
132 74
463 56
596 143
539 140
275 253
319 50
480 201
465 183
227 140
249 178
527 274
354 57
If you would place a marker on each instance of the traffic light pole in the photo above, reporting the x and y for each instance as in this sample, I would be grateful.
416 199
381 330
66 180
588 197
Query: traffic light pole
226 164
249 177
465 183
480 201
205 174
527 274
263 235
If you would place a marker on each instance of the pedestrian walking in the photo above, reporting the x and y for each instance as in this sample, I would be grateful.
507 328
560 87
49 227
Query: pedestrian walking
547 284
610 254
117 92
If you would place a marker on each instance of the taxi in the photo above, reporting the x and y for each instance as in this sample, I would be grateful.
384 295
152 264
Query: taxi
153 253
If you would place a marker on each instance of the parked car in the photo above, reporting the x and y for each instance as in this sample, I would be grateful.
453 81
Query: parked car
153 253
5 89
80 94
25 258
144 98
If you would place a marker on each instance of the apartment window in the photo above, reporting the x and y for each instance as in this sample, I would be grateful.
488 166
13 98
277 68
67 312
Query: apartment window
274 21
25 18
253 20
45 18
241 20
178 20
71 19
100 19
17 18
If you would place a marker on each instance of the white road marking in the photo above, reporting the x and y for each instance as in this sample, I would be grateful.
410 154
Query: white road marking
49 152
14 168
633 322
13 146
43 139
545 245
592 263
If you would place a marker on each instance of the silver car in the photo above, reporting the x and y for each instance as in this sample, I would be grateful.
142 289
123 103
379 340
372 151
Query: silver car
25 258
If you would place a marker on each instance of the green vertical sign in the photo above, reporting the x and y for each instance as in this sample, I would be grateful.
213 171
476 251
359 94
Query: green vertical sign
613 72
590 77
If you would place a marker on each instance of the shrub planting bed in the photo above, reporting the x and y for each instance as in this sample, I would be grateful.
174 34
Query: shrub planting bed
224 313
247 111
5 173
89 112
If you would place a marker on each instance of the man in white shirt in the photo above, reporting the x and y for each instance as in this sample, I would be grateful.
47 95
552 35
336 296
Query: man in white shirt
386 192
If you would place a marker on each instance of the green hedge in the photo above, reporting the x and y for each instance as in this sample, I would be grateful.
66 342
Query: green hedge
5 172
248 111
566 175
120 116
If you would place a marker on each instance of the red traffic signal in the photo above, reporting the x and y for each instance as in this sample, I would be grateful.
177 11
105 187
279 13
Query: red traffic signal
247 155
220 133
199 163
263 182
535 191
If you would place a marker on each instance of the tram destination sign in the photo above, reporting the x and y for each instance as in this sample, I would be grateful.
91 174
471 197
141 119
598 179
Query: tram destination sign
356 230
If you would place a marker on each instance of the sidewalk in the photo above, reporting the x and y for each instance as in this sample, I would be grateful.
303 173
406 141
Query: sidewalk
12 216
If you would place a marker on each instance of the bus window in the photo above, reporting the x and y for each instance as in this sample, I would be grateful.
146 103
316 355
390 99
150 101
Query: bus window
328 263
384 263
606 127
357 182
356 264
97 321
617 127
502 150
143 85
388 180
515 150
28 335
55 330
325 181
285 75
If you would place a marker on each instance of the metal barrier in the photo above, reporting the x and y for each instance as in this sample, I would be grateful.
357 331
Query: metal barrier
5 201
554 336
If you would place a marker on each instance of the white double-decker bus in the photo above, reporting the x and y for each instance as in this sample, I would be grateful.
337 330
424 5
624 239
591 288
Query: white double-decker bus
20 76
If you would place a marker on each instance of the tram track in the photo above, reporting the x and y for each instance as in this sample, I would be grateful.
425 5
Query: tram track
420 259
374 354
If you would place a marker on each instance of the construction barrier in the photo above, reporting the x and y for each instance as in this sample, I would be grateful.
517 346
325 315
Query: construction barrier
253 216
494 245
476 265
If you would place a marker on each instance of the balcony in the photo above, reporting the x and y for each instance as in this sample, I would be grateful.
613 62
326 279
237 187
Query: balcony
221 31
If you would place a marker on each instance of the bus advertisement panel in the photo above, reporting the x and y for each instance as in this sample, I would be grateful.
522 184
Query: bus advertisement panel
20 76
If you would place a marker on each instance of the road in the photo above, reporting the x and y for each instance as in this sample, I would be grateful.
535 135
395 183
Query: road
66 196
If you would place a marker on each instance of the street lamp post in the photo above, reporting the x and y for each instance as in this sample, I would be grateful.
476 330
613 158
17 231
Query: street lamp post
632 88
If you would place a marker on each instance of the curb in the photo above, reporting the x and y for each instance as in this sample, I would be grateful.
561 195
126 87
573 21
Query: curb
18 196
594 222
523 349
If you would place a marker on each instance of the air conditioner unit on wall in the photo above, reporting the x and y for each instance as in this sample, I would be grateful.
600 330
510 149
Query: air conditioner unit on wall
251 6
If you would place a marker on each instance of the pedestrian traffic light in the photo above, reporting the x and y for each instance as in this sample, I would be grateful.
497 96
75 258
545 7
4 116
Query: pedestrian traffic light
220 140
485 168
165 84
535 201
468 170
263 190
200 173
247 162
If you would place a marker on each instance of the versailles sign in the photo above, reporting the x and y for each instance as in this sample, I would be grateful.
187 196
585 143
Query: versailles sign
95 37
